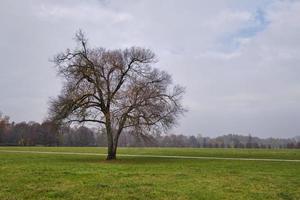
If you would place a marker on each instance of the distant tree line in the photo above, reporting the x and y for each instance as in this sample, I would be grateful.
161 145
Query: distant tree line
49 134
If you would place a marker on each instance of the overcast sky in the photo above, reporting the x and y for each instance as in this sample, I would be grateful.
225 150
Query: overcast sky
238 59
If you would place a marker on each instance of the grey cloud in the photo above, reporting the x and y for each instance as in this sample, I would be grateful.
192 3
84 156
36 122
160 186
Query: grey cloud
252 88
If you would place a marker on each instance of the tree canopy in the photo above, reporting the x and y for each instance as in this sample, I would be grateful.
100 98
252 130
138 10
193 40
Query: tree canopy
117 89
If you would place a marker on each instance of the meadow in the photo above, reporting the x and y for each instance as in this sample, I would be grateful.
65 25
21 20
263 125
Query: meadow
30 175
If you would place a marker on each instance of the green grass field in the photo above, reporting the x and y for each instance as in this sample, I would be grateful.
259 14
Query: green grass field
51 176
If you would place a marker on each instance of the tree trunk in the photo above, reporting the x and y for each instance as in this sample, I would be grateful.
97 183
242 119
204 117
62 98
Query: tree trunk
111 149
112 140
111 153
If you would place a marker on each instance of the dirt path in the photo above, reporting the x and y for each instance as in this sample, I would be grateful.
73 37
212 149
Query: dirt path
152 156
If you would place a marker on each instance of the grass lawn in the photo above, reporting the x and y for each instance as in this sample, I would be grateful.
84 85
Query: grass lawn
50 176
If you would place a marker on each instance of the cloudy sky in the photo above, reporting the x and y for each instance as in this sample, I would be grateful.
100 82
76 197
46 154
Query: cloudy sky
238 59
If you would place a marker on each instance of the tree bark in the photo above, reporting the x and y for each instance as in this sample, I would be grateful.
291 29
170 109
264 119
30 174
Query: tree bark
111 149
111 153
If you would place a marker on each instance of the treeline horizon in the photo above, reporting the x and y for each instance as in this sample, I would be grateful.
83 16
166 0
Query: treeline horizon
49 134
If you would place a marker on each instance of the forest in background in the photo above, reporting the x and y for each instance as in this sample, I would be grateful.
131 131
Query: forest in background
49 134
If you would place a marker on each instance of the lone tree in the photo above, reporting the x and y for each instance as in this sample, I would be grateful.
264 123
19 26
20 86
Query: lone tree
117 89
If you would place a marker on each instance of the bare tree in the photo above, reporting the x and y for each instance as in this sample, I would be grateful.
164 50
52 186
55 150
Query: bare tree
117 89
